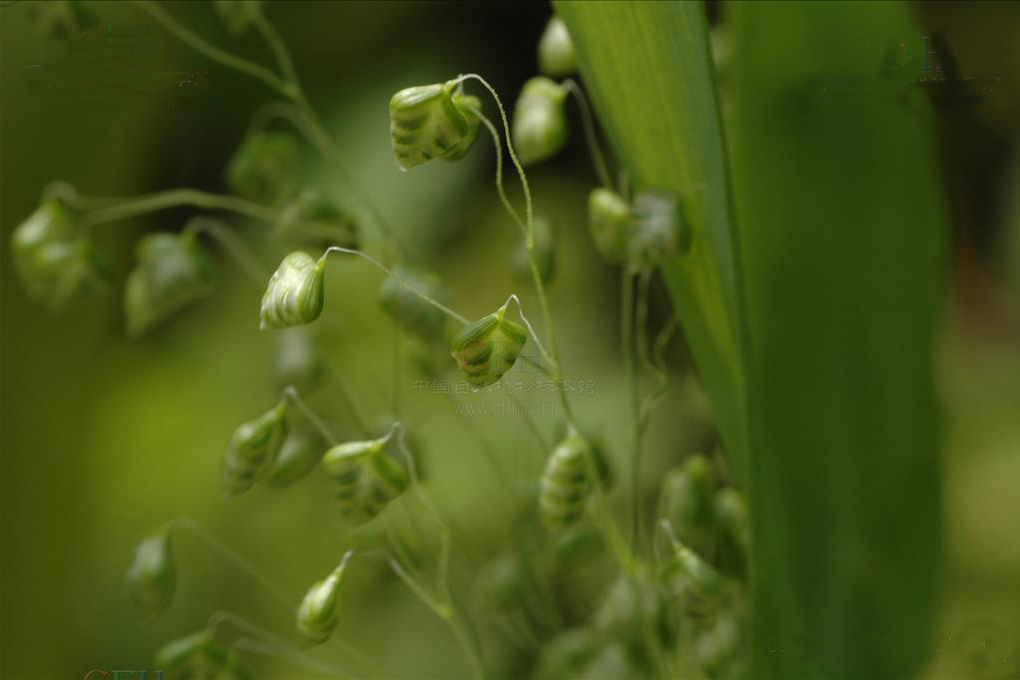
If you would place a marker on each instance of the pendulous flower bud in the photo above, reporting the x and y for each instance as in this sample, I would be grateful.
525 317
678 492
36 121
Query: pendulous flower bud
565 485
413 313
488 348
295 292
317 614
252 450
172 271
152 576
265 168
432 121
298 455
659 230
544 254
539 126
365 479
556 56
53 257
610 224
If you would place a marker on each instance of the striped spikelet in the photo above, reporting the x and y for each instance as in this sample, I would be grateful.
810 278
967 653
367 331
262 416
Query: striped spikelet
432 121
365 479
565 484
488 348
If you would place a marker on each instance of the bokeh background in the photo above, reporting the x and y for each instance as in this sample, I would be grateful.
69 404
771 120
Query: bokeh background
105 438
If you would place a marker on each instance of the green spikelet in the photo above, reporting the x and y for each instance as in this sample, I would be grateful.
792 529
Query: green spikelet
610 224
317 614
539 126
488 348
365 479
565 486
152 577
556 56
431 121
252 450
294 295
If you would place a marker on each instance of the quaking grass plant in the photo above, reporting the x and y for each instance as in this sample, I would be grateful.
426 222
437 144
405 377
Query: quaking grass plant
675 604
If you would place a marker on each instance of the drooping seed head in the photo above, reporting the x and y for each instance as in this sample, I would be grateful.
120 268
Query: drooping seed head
295 292
298 361
413 313
610 222
432 121
488 348
172 270
501 585
53 256
697 582
298 455
237 15
199 655
539 127
544 254
659 230
365 479
317 614
566 482
152 577
317 220
252 450
266 167
556 56
687 500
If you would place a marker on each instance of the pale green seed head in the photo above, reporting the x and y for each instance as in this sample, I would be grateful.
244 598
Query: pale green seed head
659 230
53 256
295 292
432 121
500 586
318 612
556 56
365 479
488 348
566 483
252 451
539 126
298 456
266 168
703 578
414 314
610 222
152 577
172 270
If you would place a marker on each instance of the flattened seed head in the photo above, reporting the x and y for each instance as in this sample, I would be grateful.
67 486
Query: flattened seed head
431 121
295 292
488 348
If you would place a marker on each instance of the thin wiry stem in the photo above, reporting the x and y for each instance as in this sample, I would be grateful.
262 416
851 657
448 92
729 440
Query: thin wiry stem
277 45
291 393
531 329
231 555
201 45
499 170
172 198
435 303
589 133
224 234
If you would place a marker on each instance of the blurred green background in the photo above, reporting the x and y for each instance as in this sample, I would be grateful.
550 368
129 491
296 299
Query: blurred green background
104 438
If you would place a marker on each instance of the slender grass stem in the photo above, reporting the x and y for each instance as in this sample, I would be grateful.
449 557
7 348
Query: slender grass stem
277 45
494 133
435 303
291 393
232 556
173 198
588 124
395 395
235 246
634 399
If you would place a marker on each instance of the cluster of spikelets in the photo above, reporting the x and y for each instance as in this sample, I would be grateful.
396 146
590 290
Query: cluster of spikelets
56 259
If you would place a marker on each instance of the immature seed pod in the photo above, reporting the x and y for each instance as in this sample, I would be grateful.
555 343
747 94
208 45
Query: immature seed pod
252 450
731 523
488 348
298 455
237 15
659 230
152 576
539 126
501 584
556 56
265 168
698 583
295 292
172 271
432 121
53 257
317 220
199 655
298 361
544 254
687 501
415 315
566 483
610 222
365 479
317 614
